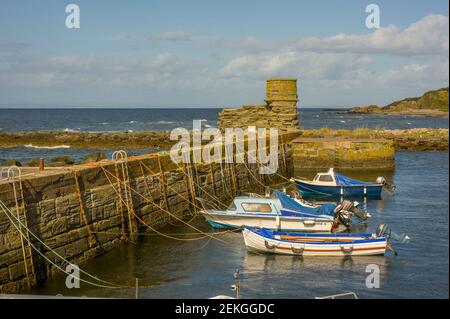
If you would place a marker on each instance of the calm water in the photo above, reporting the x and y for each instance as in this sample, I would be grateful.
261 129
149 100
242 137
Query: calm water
167 119
201 269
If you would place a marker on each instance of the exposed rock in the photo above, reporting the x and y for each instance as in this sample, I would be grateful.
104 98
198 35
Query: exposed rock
87 140
62 160
94 157
12 163
34 162
371 109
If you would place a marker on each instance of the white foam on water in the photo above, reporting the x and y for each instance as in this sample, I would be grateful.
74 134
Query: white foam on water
166 122
46 147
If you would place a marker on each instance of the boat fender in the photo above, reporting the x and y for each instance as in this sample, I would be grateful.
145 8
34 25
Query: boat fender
278 221
381 180
347 250
309 222
269 246
298 251
268 192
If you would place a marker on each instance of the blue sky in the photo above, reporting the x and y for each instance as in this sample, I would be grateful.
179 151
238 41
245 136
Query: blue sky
218 53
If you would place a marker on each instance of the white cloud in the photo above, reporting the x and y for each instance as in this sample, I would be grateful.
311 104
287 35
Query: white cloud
167 36
355 61
180 35
88 71
428 36
291 63
364 66
426 75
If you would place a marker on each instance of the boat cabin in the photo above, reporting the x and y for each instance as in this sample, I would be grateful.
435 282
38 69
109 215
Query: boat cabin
327 178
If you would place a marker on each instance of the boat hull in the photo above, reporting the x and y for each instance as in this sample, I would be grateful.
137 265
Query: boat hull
359 247
217 220
373 191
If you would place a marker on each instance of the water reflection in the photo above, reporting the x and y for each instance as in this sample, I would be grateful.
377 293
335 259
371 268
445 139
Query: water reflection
204 268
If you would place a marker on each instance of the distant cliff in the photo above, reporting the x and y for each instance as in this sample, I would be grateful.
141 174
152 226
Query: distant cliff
432 103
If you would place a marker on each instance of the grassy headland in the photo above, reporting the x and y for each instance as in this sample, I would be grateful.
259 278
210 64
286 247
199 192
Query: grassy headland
432 103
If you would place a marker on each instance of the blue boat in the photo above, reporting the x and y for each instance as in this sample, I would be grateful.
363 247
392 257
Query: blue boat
335 184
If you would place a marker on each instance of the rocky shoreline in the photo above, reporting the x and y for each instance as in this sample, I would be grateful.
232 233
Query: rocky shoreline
86 140
370 110
418 139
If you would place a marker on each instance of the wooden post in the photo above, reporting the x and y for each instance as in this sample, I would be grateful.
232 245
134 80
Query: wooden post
41 164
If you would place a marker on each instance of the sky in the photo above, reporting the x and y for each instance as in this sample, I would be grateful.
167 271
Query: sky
211 53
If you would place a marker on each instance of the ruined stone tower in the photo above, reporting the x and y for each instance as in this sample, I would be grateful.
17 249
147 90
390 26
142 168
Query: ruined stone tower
280 110
281 98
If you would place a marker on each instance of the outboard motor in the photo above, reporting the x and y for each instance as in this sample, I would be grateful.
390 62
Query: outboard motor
382 180
384 230
360 213
347 209
343 212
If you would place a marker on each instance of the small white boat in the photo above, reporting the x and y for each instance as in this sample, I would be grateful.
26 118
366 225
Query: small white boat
280 211
268 241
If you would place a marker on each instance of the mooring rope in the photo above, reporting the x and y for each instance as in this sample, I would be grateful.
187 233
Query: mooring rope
181 195
164 210
143 222
8 214
172 188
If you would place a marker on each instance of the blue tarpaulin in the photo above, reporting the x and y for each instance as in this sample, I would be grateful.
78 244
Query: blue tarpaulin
290 204
342 180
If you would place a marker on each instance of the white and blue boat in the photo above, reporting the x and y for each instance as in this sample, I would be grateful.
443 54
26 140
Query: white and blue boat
262 240
335 184
279 211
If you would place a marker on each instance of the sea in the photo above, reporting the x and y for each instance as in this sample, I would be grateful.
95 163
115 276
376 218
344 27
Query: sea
158 119
204 268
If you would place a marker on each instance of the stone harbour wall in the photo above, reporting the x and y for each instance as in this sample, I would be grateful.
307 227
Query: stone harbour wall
82 225
323 153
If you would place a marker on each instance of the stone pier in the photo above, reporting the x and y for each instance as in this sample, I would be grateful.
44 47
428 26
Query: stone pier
83 211
343 153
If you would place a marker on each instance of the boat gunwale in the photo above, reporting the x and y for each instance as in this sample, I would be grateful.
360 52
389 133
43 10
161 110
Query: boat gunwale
320 218
311 183
360 241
